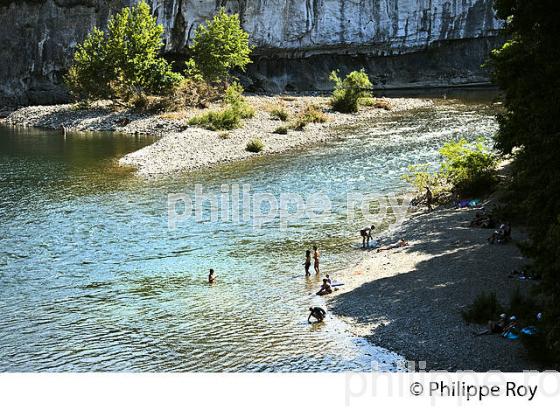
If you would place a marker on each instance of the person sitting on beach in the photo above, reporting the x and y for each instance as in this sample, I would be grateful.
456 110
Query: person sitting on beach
307 263
502 235
329 281
211 276
318 313
325 288
366 235
399 244
316 256
511 327
495 326
498 326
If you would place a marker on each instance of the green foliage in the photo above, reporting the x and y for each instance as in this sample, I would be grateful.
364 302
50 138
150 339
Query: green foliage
310 114
366 102
255 145
283 130
527 69
122 62
421 176
220 46
234 97
349 92
469 168
279 114
484 308
226 119
229 118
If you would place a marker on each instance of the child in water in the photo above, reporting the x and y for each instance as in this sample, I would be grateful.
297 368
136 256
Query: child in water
307 263
211 276
325 288
316 256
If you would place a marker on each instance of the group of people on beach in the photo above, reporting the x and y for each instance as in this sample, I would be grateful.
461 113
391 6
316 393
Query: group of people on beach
503 326
508 327
501 235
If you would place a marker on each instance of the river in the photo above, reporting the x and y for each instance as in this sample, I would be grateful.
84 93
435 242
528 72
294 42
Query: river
93 279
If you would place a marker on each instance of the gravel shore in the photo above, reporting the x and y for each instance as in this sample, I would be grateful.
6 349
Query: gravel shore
182 147
409 300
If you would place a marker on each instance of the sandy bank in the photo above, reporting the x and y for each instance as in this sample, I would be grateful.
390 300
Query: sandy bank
409 300
184 147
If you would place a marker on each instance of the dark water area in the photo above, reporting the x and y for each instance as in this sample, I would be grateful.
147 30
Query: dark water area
93 279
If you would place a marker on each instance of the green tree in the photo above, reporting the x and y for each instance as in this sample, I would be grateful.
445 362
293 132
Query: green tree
220 46
124 61
527 69
348 91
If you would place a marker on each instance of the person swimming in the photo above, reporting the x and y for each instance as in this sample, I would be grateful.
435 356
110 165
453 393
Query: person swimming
325 288
318 313
211 276
316 255
366 235
307 263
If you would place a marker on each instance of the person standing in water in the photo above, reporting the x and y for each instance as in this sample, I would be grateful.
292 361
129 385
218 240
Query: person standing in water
307 263
316 255
366 235
211 276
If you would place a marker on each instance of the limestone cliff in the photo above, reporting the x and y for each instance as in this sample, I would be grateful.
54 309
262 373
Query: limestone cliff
400 42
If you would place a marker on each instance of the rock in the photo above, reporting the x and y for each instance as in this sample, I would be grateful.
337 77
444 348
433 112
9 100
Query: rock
297 43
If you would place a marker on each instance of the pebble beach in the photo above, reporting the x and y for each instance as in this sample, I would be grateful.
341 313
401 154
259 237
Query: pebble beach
184 148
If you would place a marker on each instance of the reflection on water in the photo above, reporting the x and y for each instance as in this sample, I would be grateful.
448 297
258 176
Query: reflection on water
92 279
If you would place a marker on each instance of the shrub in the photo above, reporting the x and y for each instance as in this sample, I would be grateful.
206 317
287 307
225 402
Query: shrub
123 61
281 130
420 176
348 92
148 103
255 145
467 168
227 119
484 308
191 92
470 168
219 46
366 102
310 114
234 97
279 114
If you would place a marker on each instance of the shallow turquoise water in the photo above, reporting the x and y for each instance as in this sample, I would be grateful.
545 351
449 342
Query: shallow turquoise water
91 278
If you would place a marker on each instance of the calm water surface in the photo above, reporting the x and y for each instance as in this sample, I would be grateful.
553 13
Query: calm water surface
92 279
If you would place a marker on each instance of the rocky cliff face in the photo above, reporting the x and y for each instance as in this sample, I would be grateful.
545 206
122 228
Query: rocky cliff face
400 42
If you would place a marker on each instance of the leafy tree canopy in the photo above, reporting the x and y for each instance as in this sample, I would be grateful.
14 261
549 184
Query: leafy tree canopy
220 46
